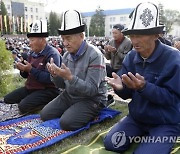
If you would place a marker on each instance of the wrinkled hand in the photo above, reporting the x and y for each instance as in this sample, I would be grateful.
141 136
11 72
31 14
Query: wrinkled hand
115 82
110 48
50 68
24 67
63 72
136 82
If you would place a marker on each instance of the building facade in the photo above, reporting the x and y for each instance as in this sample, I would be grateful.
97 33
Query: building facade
24 11
112 17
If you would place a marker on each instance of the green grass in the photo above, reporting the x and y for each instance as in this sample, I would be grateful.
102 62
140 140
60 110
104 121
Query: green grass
86 135
17 81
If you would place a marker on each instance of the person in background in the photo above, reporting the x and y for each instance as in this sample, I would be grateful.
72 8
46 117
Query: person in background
163 39
82 76
26 52
116 49
38 89
176 43
150 77
16 55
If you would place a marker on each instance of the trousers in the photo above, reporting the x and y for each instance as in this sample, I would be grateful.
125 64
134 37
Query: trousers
73 113
158 139
29 100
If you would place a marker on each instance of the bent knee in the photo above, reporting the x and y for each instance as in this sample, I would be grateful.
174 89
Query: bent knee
43 116
47 115
69 124
7 100
66 125
23 108
116 143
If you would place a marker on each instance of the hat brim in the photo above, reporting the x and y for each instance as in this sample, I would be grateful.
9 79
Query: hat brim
155 30
37 34
72 31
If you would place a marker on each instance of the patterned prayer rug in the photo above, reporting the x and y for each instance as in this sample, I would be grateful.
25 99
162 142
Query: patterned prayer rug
9 111
30 133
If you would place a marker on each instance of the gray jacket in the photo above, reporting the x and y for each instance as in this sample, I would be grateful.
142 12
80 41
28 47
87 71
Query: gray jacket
88 76
117 57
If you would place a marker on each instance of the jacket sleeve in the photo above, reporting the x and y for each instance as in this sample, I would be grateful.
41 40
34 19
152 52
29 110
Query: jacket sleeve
58 81
167 94
24 74
95 76
125 93
124 48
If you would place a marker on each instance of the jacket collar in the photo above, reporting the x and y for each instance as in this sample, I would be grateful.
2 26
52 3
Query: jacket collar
80 52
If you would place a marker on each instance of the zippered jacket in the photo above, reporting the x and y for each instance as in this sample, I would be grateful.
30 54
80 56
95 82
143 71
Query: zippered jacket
159 101
117 57
88 72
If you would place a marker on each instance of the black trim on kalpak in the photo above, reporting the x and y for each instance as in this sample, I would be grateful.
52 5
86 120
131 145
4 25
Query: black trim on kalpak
37 34
72 31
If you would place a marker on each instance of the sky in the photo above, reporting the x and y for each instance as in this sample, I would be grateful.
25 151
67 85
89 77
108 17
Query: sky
60 6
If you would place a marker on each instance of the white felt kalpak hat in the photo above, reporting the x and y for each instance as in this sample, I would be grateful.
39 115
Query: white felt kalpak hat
71 23
38 29
144 20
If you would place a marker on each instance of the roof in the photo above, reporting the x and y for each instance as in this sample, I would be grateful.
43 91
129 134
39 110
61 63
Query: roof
109 12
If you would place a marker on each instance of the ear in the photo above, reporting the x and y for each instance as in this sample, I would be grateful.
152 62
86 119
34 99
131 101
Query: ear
42 39
82 35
